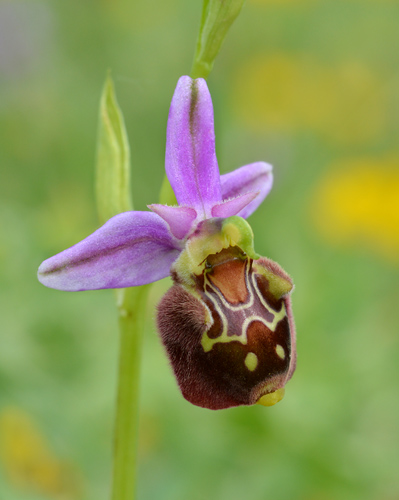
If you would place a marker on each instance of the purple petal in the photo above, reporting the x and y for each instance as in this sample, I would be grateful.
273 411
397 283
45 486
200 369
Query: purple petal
253 177
132 248
190 161
179 219
234 206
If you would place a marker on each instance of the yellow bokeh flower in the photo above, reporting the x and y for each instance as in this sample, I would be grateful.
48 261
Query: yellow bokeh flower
346 103
356 203
28 461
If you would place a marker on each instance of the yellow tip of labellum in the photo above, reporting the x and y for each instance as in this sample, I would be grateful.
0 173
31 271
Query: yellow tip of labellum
272 398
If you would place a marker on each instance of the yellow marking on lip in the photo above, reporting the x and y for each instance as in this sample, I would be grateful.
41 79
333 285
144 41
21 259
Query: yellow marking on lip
251 361
278 285
208 343
280 351
272 398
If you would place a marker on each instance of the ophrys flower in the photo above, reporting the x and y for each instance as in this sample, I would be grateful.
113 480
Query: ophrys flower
226 322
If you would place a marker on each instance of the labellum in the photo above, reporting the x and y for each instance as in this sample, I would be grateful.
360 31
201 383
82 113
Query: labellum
227 326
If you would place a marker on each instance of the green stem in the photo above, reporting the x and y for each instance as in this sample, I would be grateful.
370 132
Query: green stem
132 308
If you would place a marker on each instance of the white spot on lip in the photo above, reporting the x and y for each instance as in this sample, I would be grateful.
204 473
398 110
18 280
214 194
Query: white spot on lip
280 351
251 361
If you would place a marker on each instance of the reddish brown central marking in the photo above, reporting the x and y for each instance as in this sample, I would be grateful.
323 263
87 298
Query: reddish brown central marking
229 277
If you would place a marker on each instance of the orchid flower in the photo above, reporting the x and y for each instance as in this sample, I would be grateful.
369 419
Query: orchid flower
226 322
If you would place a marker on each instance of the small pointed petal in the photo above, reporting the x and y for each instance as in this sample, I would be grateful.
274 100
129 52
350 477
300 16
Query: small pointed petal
179 219
234 206
253 177
132 248
190 162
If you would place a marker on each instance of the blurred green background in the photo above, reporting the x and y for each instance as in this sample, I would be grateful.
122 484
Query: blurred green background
310 86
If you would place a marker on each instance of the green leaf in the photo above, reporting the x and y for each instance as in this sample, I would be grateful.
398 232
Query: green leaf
113 158
217 17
